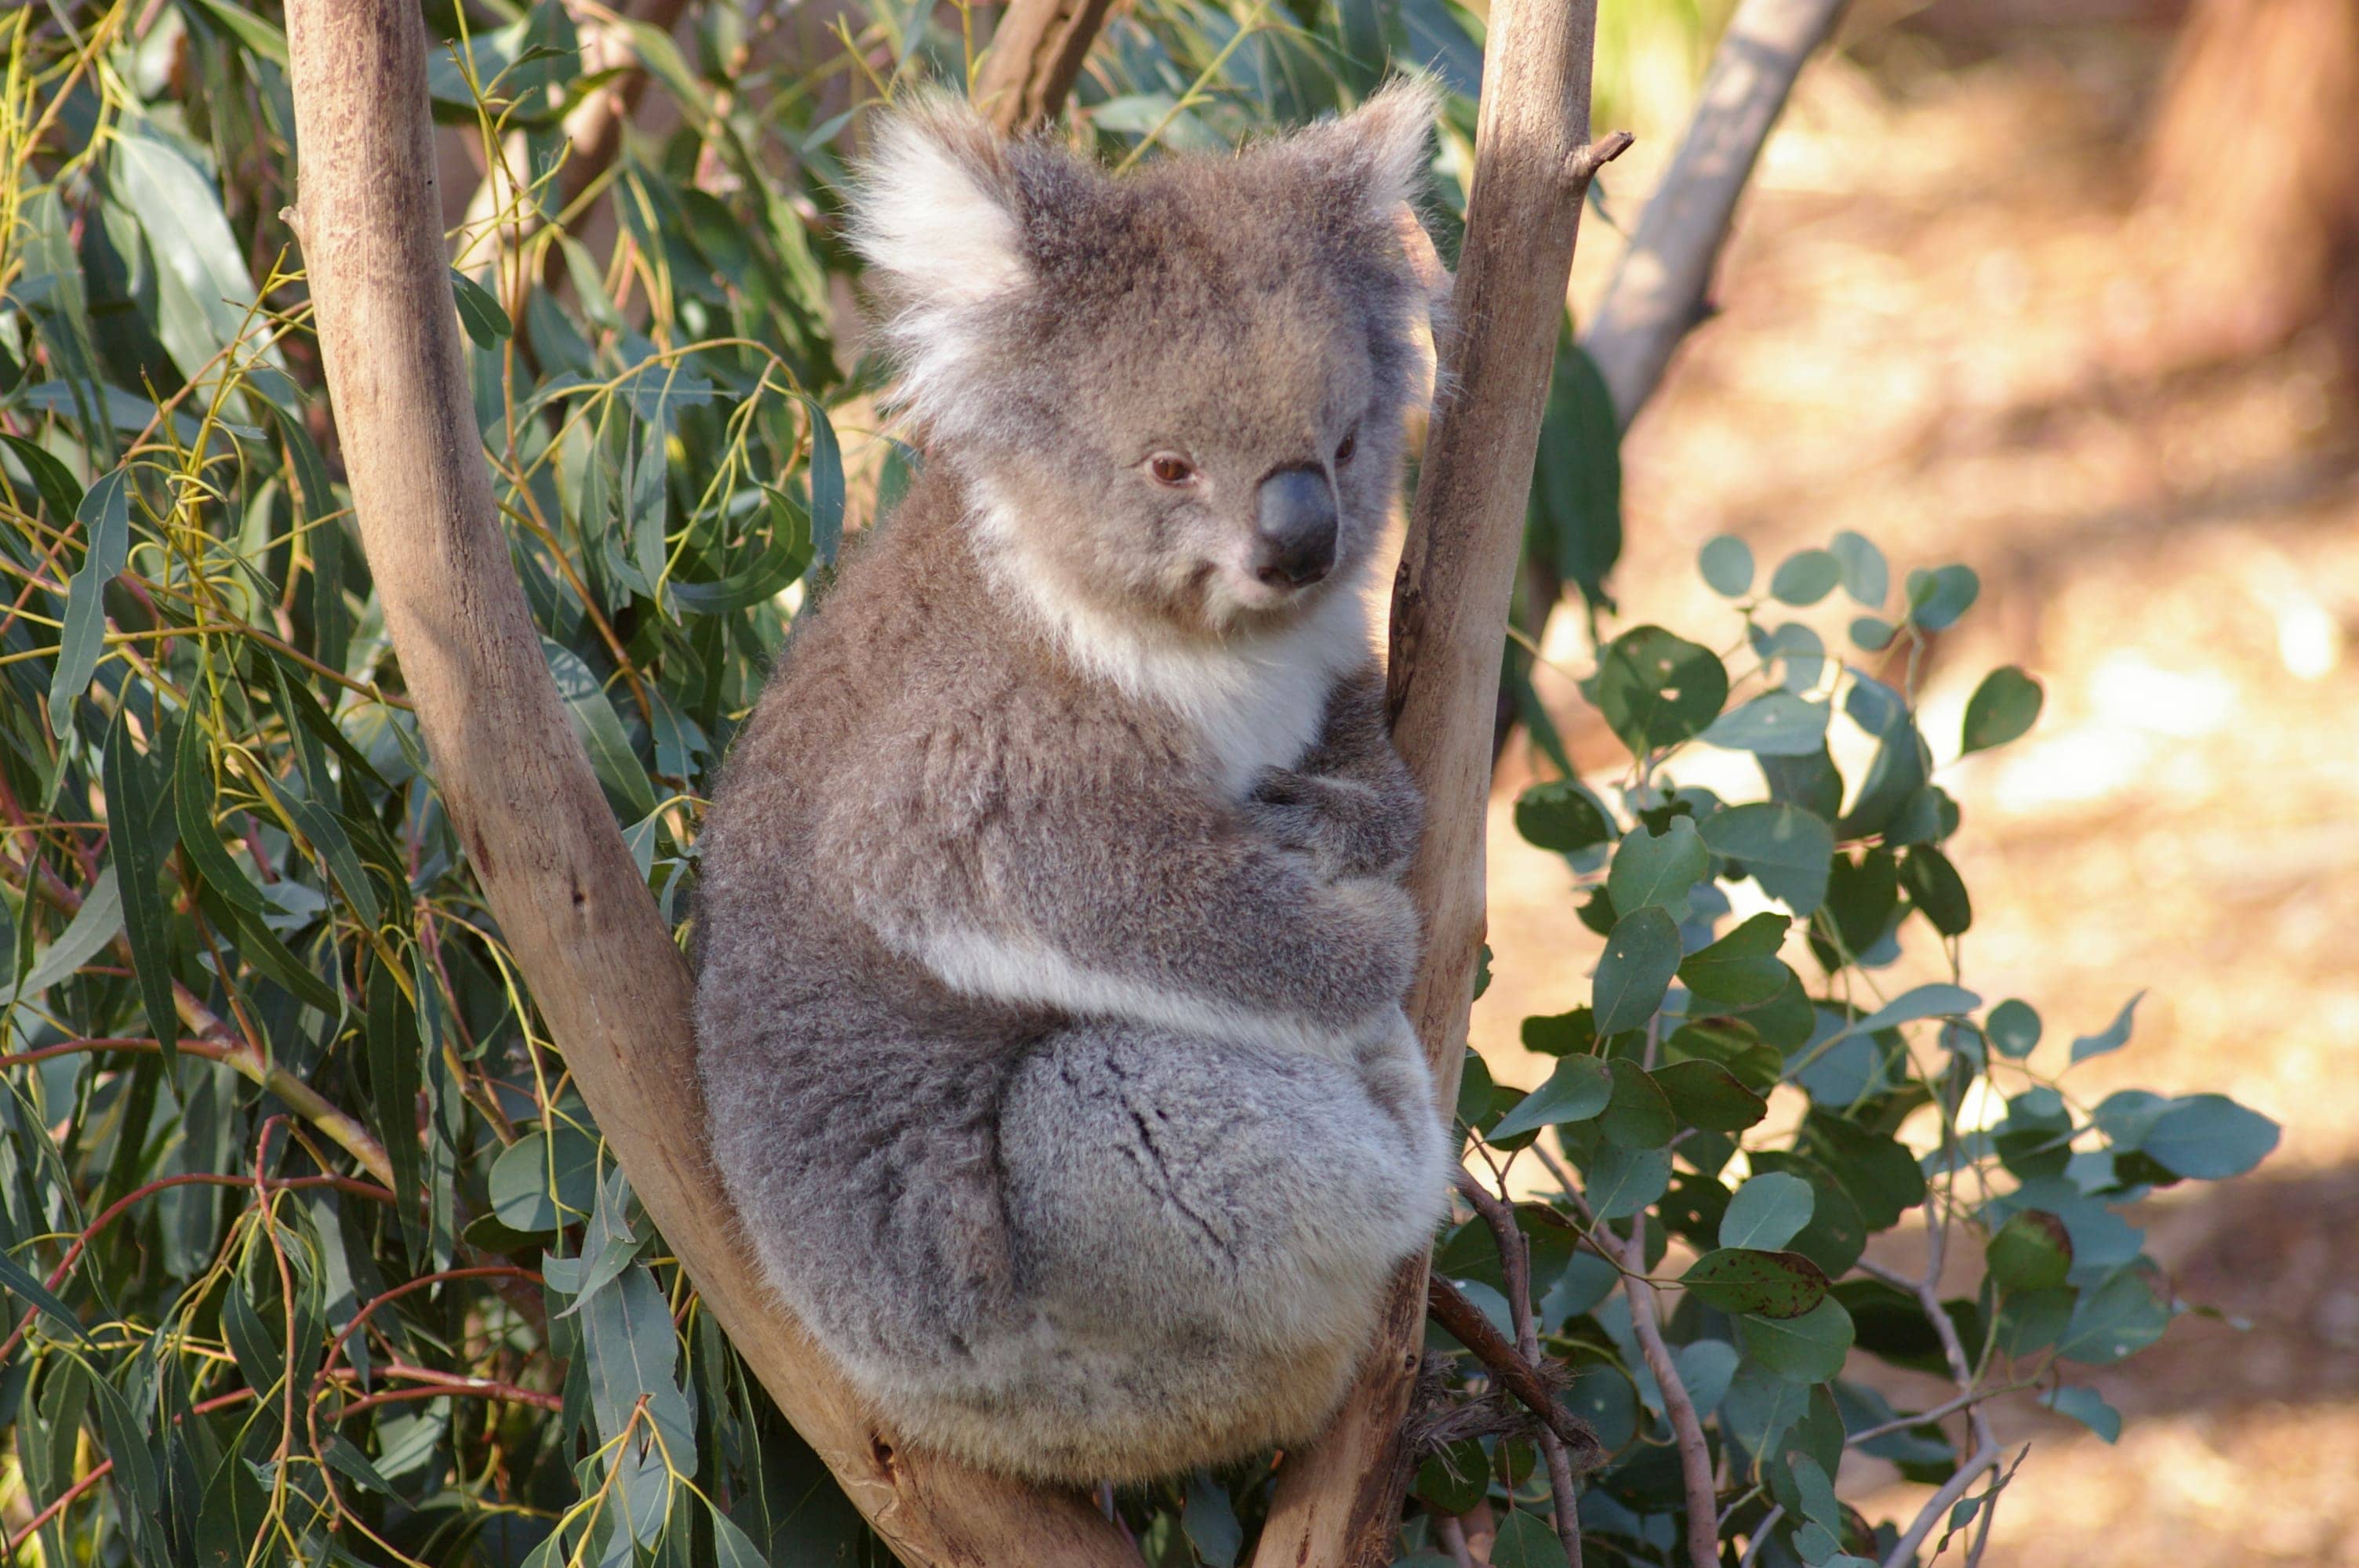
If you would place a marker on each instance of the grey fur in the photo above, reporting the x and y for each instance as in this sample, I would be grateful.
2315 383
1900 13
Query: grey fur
1051 936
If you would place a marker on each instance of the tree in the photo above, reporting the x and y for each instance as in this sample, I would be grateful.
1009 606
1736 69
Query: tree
348 1213
2253 154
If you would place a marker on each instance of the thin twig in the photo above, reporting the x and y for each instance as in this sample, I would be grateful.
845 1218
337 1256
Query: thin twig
1560 1430
1451 1532
1582 166
1938 1413
1695 1457
1927 1289
1456 1312
1760 1537
1941 1502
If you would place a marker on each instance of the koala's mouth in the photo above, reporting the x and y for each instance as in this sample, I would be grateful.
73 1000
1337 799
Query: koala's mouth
1234 592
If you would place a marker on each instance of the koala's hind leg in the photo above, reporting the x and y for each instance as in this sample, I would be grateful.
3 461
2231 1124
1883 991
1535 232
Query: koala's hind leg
1204 1230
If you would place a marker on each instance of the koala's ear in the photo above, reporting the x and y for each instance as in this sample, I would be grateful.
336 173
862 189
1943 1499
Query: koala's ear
937 214
1380 151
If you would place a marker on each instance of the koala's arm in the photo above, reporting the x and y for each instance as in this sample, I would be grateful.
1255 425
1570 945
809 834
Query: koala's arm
1351 805
1147 900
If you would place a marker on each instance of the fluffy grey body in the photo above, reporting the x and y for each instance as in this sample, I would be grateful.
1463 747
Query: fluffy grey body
1052 938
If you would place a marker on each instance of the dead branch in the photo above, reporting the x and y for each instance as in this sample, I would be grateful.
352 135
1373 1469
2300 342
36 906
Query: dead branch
1518 1374
589 940
1337 1502
1557 1442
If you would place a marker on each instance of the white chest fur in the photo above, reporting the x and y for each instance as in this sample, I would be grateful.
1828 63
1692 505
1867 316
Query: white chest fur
1254 701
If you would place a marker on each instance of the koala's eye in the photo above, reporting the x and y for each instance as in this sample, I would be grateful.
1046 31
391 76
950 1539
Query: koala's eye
1169 468
1343 453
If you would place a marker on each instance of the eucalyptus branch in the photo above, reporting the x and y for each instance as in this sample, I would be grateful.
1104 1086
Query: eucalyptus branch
1695 1456
1559 1429
1940 1504
1760 1537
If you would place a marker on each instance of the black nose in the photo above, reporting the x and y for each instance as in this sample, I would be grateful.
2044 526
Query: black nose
1294 544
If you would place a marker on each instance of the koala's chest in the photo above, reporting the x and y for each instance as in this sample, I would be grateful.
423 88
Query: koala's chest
1266 722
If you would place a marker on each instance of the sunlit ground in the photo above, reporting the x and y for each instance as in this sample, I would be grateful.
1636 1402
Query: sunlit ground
1933 317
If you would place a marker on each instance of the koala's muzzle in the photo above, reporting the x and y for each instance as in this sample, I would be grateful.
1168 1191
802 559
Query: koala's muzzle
1294 539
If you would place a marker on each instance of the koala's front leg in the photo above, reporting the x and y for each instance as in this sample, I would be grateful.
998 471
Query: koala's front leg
1351 805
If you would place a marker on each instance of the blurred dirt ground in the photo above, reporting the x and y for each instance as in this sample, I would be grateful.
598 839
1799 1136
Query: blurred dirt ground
1939 318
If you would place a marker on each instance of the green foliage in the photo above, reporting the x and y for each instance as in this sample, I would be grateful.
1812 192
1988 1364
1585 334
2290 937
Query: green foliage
1779 1065
311 1251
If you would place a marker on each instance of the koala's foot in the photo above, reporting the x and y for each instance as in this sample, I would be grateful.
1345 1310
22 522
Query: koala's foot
1205 1231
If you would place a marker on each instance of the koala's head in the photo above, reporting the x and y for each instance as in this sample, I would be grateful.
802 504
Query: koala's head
1181 388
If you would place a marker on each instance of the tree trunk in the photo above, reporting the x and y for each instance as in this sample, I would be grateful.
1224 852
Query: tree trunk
1338 1503
597 955
2257 144
1036 57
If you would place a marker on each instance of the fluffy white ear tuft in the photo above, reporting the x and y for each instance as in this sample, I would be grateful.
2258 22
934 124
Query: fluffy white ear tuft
935 214
1384 147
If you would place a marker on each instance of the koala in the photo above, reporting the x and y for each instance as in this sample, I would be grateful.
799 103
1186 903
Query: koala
1053 939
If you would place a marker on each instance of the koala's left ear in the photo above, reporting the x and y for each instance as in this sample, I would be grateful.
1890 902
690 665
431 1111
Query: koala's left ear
1380 151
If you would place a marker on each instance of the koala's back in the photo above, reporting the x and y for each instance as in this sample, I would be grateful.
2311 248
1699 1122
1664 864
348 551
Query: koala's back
846 1086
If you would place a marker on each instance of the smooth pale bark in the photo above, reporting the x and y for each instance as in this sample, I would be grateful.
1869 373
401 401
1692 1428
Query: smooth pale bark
597 955
1657 295
1337 1502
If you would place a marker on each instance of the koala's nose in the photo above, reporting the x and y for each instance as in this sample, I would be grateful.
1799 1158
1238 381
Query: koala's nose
1294 543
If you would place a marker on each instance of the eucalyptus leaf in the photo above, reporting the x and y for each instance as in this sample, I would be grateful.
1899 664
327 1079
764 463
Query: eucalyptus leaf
1727 564
1766 1213
1640 957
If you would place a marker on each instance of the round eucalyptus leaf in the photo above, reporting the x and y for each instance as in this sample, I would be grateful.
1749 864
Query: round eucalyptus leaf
1937 598
1785 848
2002 709
1864 576
1455 1479
1806 576
1579 1088
1641 956
1638 1114
1767 1212
1775 724
2012 1027
1656 870
1622 1179
1773 1284
2032 1252
1707 1094
1657 690
1562 817
1727 564
2209 1138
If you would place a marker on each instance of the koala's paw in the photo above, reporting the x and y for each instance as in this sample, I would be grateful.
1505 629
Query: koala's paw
1345 828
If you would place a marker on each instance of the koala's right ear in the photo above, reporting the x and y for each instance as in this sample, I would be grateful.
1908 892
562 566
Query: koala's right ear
936 213
939 216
